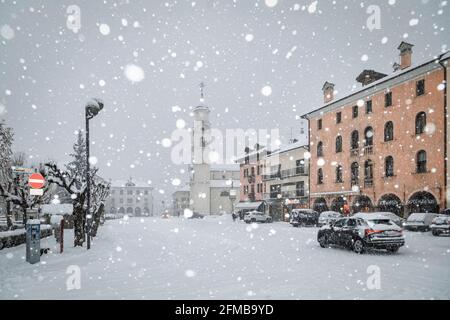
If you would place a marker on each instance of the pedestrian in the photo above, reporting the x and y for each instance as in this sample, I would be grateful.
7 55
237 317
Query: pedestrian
234 216
346 209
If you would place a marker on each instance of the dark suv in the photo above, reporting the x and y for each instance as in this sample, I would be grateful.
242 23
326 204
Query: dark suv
362 231
304 217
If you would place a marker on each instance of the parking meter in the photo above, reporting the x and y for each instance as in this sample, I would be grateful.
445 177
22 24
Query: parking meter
33 236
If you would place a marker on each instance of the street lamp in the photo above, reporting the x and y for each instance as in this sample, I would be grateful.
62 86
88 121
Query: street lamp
92 109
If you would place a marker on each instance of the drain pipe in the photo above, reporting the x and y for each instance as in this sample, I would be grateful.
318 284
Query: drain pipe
444 66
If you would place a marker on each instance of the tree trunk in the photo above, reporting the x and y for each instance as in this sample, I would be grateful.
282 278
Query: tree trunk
78 225
24 215
96 221
9 222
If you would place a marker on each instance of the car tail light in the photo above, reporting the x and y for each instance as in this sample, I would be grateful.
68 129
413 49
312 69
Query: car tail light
368 232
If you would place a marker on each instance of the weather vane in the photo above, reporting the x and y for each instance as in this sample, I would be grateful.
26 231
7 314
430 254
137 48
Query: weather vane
202 86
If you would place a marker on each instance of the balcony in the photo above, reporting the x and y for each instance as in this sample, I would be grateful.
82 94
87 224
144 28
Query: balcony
368 183
293 173
272 176
354 152
368 150
251 179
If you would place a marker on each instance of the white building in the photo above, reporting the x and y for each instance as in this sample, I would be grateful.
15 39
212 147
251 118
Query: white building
180 201
210 184
131 198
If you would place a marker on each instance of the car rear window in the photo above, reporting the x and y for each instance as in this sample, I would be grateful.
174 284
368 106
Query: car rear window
417 217
380 221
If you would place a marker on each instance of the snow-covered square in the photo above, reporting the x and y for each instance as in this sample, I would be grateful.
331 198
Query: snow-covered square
216 258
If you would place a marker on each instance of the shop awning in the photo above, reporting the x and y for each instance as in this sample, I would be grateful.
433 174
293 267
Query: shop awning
248 205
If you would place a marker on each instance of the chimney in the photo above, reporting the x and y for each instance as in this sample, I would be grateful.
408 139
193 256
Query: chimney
368 76
396 66
405 54
328 92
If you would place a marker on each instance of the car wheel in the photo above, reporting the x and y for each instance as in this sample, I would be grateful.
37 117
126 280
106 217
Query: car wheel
269 220
435 233
253 220
358 246
323 241
393 249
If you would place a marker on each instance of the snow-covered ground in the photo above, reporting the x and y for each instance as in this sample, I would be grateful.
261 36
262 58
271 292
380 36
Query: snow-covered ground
215 258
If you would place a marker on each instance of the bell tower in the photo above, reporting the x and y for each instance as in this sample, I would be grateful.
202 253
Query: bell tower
200 168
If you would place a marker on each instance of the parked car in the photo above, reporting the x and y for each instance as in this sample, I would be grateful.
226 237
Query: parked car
441 224
327 217
257 216
394 218
304 217
196 215
420 221
362 231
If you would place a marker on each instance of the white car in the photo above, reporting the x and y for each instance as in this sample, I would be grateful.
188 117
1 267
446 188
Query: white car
440 225
327 217
419 221
257 216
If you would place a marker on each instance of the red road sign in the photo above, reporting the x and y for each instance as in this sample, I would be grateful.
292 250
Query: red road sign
36 181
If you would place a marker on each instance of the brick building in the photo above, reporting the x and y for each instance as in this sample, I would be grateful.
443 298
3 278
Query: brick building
383 147
252 187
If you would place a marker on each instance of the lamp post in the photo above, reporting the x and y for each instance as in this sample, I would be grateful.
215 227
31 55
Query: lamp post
92 109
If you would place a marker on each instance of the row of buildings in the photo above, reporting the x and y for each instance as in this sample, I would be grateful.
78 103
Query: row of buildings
382 147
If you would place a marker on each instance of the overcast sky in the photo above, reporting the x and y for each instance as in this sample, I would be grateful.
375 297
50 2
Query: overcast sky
48 72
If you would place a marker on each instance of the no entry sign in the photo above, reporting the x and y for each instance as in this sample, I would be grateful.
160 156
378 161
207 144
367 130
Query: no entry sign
36 181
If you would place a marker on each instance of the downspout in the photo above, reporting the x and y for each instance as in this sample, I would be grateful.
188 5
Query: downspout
309 161
445 131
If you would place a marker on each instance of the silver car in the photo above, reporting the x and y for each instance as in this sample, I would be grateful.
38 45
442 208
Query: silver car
440 225
257 216
419 221
327 217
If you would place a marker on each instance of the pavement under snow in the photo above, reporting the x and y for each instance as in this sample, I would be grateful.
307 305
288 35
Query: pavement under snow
214 258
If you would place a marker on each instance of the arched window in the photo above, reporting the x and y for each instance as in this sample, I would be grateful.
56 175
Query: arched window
320 176
389 166
338 144
355 140
368 136
339 174
320 149
421 122
421 161
355 173
368 173
389 131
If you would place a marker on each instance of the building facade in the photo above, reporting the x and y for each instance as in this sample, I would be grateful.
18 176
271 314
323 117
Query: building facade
252 189
180 201
130 198
286 180
383 147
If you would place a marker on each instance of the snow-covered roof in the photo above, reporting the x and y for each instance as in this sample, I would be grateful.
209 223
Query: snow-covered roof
379 85
224 183
253 153
224 167
291 146
59 209
123 184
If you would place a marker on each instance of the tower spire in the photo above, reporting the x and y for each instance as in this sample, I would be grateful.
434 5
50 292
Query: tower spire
202 95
